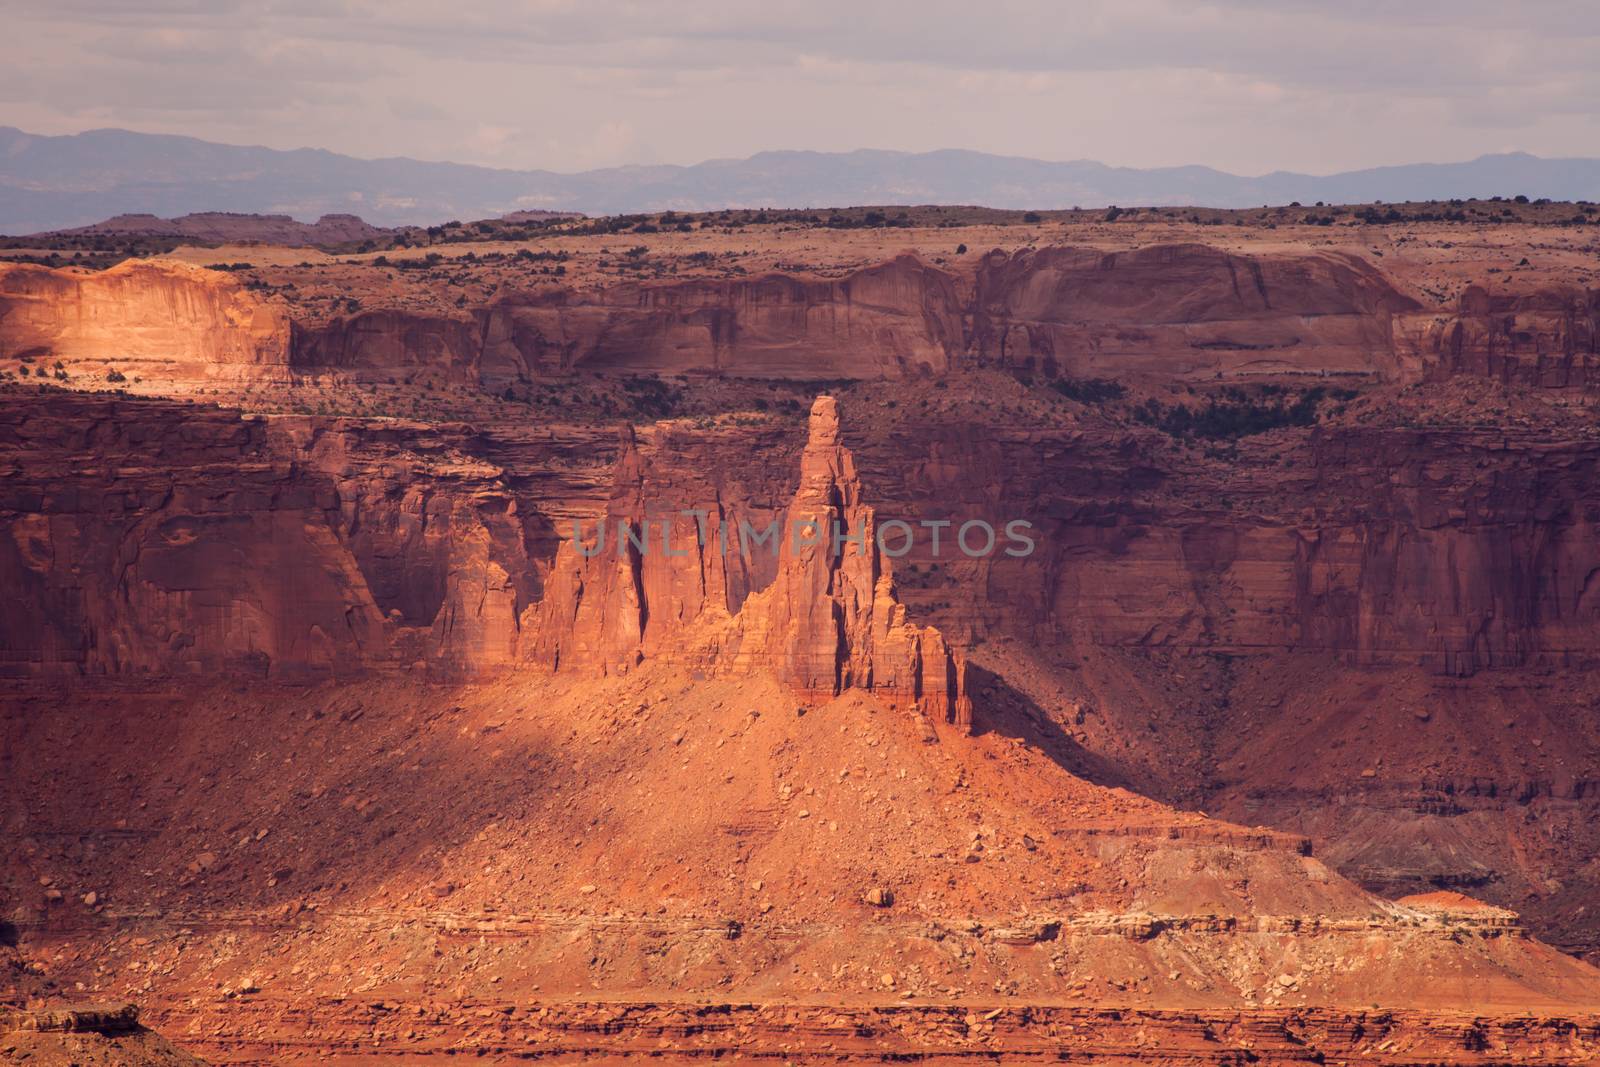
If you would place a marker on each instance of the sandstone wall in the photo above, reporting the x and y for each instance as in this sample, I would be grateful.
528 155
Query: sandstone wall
166 319
1456 550
386 344
893 320
146 536
1548 338
141 536
1160 313
1183 310
897 319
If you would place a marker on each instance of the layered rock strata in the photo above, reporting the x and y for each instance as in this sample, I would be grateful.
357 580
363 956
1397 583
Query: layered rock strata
1546 338
659 580
163 320
1184 310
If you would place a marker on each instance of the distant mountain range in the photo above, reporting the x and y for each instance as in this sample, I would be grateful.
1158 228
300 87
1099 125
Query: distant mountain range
56 182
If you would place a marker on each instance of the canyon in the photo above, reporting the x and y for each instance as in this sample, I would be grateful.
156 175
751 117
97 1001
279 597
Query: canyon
306 656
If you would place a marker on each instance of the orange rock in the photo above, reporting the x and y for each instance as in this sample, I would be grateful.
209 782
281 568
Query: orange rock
1185 310
828 621
187 322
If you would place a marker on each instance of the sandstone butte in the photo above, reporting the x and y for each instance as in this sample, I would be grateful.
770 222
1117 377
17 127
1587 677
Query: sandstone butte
322 738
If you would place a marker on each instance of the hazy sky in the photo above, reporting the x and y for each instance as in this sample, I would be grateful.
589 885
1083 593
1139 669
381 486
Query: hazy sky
1246 85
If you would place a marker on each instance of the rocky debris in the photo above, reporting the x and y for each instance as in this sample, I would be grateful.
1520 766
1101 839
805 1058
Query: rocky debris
808 1032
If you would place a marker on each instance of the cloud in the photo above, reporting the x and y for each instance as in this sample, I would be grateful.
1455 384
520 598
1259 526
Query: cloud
1248 85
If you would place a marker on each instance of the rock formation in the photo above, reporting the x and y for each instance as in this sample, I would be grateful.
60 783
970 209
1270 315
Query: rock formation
1183 310
898 319
829 619
146 537
230 227
1548 338
164 320
381 344
1375 627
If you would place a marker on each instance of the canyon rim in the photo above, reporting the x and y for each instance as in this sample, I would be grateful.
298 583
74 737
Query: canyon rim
890 631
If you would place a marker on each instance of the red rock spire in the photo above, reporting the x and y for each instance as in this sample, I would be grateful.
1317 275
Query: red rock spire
829 621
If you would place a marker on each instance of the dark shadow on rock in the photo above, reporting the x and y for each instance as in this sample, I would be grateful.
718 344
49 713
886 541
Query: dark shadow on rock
998 707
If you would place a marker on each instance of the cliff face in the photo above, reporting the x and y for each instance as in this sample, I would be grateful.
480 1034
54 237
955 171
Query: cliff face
381 344
1454 549
647 567
148 538
898 319
145 536
1183 310
167 319
1548 338
1159 313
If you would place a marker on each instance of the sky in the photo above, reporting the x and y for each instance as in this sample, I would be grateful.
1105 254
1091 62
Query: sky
1247 86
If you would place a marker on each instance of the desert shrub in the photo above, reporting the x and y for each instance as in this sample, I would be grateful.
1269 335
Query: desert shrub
1234 414
652 397
1089 390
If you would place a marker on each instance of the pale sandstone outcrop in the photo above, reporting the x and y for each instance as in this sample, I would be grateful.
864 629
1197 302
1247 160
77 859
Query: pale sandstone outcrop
172 319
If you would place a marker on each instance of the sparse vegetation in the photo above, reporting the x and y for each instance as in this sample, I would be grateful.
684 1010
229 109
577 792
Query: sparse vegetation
1089 390
1235 413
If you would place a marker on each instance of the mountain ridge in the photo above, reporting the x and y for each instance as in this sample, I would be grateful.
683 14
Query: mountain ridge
57 182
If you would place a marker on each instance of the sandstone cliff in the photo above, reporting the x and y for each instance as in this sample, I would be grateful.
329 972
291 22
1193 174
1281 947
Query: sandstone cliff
165 320
382 344
143 537
1547 338
1183 310
897 319
151 538
1159 313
